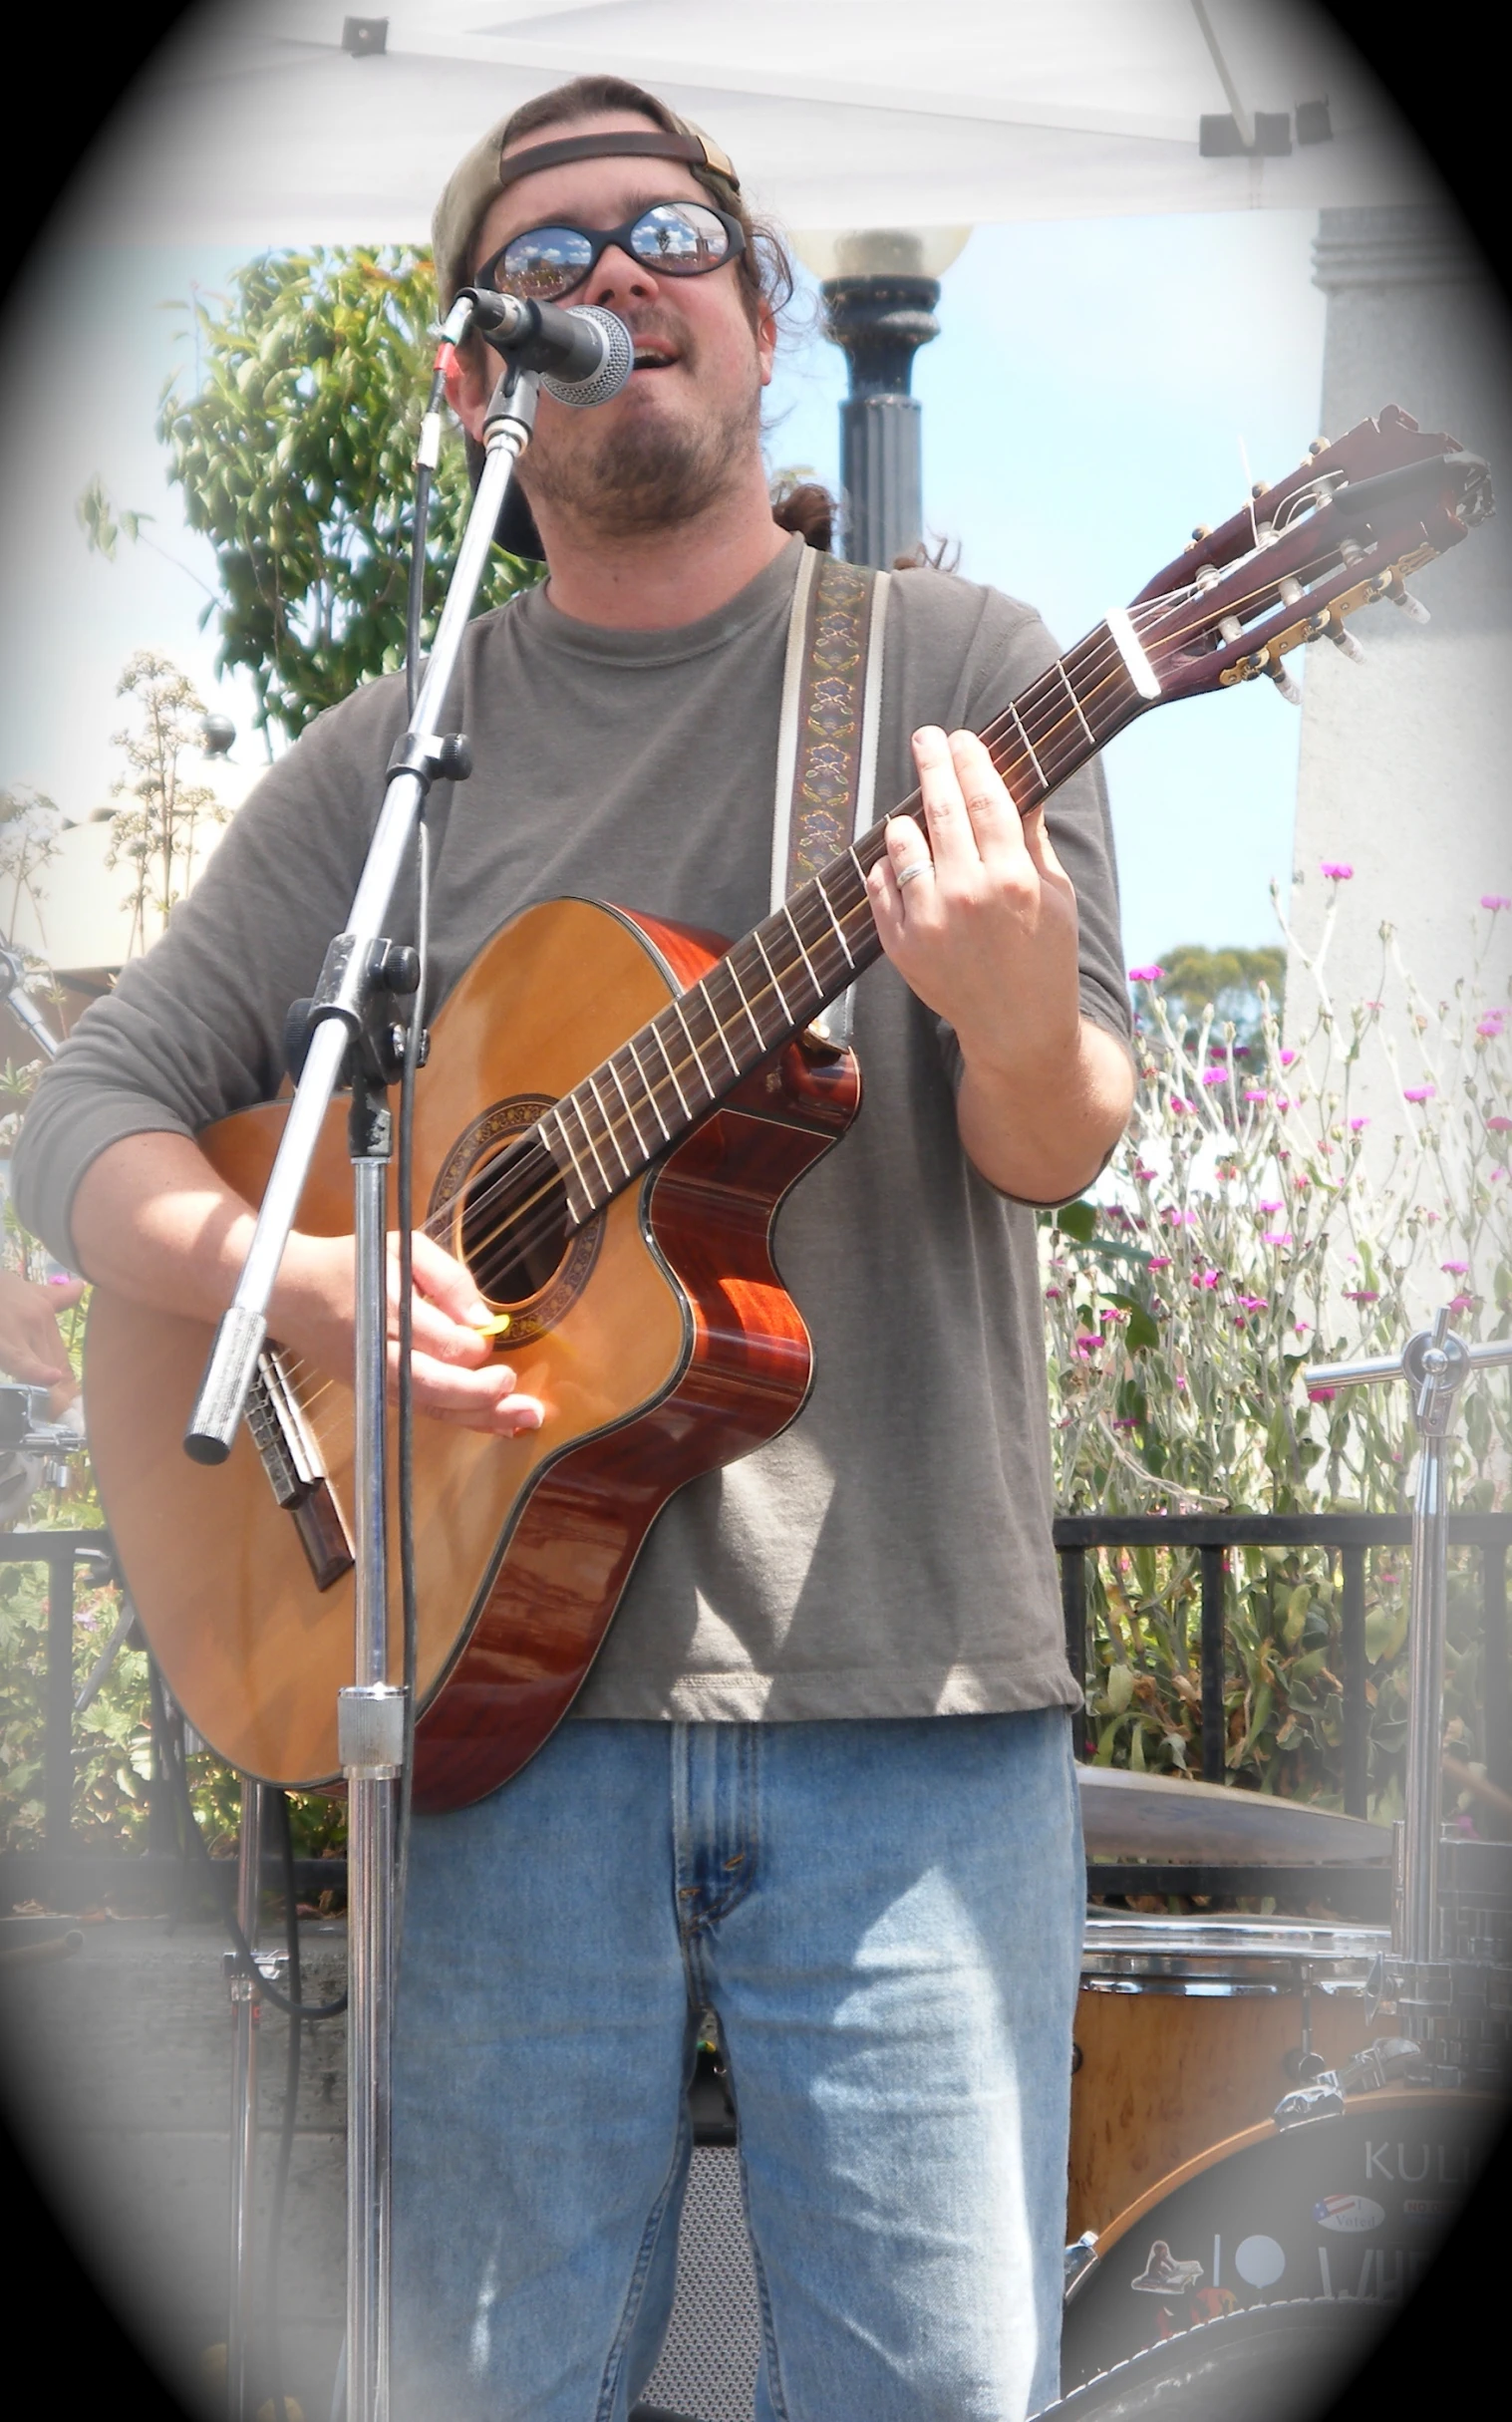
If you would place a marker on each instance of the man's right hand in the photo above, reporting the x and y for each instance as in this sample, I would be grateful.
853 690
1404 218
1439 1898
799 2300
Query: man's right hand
154 1221
457 1375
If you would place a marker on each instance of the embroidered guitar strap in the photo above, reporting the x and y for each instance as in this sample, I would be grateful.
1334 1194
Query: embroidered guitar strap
827 735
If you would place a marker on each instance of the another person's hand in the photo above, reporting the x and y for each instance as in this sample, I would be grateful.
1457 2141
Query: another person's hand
31 1344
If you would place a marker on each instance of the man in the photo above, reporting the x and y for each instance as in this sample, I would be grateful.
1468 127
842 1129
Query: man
819 1780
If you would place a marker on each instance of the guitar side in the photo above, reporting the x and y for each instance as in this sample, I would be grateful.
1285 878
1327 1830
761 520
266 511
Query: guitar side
678 1351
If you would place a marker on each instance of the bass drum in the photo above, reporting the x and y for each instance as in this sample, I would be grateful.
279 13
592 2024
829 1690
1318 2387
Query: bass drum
1346 2211
1273 2363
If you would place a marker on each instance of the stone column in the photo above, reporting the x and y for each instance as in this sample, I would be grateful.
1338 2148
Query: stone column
1406 767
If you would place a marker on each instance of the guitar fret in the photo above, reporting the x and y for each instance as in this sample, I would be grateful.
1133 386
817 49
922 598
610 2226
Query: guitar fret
693 1047
577 1105
650 1090
814 975
735 979
1030 746
702 988
823 891
656 1030
610 1129
1076 702
583 1186
775 986
640 1142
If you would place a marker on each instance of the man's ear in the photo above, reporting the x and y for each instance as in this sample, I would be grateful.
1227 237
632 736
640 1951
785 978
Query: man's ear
766 341
469 385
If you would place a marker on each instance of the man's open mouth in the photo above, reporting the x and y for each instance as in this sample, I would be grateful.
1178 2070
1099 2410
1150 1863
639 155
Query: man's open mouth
649 355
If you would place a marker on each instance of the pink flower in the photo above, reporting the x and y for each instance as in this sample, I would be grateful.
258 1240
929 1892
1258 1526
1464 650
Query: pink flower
1299 1328
1490 1027
1160 1260
1178 1105
1252 1093
1144 1174
1278 1236
1321 1396
1418 1093
1126 1421
1180 1385
1206 1278
1358 1126
1494 900
1454 1269
1287 1058
1214 1075
1254 1303
1053 1295
1269 1206
1336 872
1178 1219
1499 1125
1146 975
1462 1303
1087 1347
1362 1295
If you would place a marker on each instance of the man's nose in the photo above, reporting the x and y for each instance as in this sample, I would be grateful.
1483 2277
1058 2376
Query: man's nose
618 277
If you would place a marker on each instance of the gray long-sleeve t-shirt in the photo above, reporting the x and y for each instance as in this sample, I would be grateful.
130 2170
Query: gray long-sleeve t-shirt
891 1552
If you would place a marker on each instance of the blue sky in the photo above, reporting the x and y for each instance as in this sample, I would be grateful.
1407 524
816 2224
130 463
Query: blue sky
1097 389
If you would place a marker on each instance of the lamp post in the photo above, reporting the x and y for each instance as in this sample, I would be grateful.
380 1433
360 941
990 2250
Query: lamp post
880 287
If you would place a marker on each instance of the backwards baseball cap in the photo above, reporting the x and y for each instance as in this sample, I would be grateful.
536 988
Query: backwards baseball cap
486 174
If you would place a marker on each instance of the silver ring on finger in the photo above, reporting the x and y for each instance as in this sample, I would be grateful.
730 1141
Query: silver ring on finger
909 874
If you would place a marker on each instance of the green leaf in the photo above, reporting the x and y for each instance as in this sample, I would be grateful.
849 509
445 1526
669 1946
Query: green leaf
1078 1220
1121 1688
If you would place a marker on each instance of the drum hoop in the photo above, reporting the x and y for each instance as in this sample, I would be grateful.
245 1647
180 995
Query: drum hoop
1392 2098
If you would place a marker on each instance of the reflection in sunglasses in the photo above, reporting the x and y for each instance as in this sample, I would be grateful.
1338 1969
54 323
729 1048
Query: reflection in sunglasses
678 238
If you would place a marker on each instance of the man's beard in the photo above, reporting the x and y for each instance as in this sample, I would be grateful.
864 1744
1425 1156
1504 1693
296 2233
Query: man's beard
654 474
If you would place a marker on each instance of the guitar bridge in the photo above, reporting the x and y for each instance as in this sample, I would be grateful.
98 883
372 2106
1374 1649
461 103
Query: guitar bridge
296 1474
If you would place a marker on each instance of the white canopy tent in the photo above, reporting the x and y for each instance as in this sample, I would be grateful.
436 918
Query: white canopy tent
256 126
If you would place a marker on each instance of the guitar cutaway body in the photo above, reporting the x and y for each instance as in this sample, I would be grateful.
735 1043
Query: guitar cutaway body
662 1344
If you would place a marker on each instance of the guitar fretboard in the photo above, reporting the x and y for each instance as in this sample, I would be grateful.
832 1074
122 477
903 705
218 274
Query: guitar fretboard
769 985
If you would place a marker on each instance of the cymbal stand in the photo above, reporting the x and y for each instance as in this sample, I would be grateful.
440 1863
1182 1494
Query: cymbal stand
1437 1365
350 1033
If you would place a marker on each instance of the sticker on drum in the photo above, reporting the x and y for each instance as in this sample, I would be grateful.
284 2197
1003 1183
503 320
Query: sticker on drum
1347 2210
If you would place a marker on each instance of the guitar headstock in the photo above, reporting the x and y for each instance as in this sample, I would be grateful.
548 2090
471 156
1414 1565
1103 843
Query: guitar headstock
1293 564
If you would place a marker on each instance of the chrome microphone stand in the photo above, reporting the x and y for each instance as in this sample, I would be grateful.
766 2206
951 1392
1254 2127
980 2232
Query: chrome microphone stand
1437 1365
348 1022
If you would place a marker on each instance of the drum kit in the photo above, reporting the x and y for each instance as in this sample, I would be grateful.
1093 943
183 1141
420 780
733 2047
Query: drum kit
1275 2121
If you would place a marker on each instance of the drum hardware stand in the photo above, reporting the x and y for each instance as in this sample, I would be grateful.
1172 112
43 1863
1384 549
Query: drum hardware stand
351 1019
1416 1977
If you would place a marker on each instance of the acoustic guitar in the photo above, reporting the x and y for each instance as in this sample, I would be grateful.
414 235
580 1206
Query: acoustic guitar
611 1169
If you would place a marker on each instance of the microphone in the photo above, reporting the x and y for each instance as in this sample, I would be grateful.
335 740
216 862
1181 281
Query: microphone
585 354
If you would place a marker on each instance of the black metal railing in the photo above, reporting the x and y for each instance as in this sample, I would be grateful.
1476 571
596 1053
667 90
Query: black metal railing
62 1863
1349 1536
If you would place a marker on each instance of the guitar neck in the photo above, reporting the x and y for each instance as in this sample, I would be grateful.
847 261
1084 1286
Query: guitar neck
775 981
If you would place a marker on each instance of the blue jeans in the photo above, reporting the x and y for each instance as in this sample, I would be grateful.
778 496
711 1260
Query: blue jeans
885 1917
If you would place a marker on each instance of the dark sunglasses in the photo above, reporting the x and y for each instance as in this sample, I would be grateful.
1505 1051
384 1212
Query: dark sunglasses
675 238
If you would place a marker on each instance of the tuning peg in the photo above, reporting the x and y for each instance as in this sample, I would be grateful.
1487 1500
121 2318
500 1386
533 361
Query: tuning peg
1346 642
1319 446
1412 607
1284 682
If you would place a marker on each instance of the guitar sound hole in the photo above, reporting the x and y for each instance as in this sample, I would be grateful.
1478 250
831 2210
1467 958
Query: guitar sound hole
514 1224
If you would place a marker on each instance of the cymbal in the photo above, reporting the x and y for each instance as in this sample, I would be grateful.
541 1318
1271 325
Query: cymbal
1157 1816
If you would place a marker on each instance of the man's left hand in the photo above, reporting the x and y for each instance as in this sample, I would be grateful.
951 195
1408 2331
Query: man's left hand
979 917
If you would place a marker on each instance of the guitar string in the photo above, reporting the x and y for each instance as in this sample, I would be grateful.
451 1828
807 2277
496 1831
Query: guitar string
1098 653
